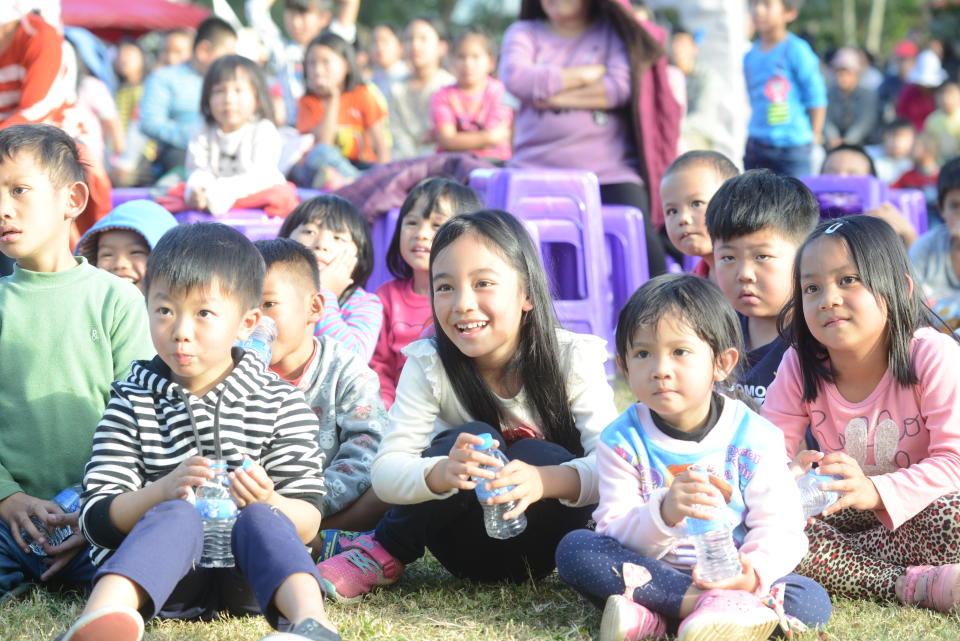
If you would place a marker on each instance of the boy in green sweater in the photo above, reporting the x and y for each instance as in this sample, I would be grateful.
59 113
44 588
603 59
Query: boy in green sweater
67 331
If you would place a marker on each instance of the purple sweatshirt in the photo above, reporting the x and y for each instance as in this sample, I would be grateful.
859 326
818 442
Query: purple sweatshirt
601 141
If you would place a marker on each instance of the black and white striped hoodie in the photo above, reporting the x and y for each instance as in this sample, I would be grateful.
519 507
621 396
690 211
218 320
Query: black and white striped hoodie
148 429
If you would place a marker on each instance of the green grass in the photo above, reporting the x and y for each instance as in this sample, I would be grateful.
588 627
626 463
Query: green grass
430 605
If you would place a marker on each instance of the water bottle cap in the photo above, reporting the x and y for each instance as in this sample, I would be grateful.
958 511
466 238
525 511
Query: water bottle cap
487 442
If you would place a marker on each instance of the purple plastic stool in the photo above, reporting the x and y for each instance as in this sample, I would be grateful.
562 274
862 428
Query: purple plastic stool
381 233
565 207
252 223
304 193
845 195
626 254
913 205
120 195
479 180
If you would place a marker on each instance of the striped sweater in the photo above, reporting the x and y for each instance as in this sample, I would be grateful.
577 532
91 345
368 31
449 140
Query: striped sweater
355 323
146 432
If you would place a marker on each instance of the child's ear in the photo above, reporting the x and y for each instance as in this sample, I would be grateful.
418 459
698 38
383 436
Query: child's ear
316 307
77 196
621 365
909 286
726 361
249 321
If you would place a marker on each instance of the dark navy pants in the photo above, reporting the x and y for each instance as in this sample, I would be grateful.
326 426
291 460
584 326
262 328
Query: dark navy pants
789 161
17 566
453 528
592 565
161 552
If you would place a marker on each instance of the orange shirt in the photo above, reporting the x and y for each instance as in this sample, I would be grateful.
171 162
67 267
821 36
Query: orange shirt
360 110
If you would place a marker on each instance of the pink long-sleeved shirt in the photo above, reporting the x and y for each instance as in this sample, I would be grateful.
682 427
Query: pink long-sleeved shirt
405 315
906 440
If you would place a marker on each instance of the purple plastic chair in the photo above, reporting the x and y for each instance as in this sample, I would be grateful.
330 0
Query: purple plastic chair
120 195
564 206
381 233
912 203
626 254
252 223
479 179
845 195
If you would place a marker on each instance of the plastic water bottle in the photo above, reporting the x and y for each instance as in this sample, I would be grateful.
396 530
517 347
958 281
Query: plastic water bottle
219 513
69 501
261 340
497 527
717 556
815 500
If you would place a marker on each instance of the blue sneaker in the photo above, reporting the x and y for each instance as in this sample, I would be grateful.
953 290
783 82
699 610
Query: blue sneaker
333 542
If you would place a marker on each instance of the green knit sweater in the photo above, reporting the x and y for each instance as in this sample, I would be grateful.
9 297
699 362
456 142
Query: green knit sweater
64 338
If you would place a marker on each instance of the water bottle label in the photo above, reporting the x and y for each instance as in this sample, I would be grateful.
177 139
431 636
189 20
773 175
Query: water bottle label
68 500
212 508
483 493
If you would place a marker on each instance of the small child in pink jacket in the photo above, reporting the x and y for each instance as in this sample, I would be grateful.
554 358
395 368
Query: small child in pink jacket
406 300
688 457
878 388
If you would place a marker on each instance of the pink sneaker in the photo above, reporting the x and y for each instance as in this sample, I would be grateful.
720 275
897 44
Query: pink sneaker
117 623
363 565
625 620
728 615
932 586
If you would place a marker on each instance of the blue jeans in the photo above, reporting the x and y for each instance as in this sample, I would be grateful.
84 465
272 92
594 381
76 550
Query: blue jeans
17 566
790 161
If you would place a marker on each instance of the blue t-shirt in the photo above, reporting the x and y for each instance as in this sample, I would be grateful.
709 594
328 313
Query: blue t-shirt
783 83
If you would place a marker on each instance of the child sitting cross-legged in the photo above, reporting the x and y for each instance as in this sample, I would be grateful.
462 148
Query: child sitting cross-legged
687 452
200 401
342 390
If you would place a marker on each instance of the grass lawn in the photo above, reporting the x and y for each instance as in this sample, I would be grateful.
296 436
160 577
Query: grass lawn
430 605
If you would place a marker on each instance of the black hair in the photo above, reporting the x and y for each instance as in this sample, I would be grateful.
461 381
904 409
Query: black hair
215 31
536 362
948 180
694 301
292 256
343 49
431 194
303 6
796 5
760 199
434 23
52 149
476 31
227 68
883 267
713 159
338 215
857 149
190 257
643 51
897 124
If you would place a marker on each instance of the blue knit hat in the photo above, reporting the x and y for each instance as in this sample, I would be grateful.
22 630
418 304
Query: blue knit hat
145 217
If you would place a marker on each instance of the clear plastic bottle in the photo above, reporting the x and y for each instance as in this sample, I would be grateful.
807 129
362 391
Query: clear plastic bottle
219 512
815 500
717 556
497 527
261 340
69 501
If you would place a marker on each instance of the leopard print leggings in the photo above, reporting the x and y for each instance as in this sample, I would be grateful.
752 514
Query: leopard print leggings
852 554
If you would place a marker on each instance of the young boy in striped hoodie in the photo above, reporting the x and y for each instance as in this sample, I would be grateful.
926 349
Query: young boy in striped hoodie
198 400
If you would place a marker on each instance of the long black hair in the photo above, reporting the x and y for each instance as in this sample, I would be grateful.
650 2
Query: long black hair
430 194
227 68
338 215
536 361
883 266
343 49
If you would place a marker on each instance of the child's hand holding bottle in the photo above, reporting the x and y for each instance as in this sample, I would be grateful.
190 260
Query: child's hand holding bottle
690 494
250 484
190 473
464 461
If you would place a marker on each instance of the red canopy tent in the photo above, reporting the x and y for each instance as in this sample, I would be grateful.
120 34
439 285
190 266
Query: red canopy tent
114 19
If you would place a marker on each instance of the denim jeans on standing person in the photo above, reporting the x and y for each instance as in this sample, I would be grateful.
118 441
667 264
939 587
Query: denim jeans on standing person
789 161
18 567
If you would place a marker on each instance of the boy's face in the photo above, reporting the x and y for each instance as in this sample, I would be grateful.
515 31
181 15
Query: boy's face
950 211
386 48
194 331
950 99
423 46
304 26
35 213
685 195
176 49
755 272
898 143
123 253
206 52
771 16
846 163
295 310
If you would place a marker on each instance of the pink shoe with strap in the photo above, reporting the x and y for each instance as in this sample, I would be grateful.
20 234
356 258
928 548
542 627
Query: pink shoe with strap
625 620
728 615
932 586
363 565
